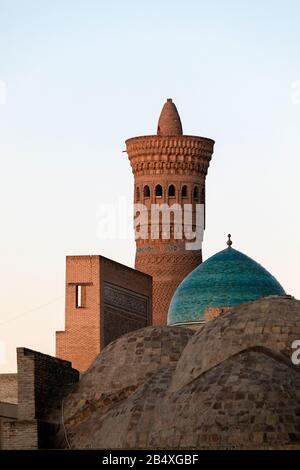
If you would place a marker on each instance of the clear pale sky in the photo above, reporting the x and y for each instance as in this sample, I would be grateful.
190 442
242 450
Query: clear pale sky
81 77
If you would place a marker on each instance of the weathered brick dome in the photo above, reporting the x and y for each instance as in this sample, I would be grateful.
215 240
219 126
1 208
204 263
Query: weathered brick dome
271 322
233 387
227 279
249 401
122 367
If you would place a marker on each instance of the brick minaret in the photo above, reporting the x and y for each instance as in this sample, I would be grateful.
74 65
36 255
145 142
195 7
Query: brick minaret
168 168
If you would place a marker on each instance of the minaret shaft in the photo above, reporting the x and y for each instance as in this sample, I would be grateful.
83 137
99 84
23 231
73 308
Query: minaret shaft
168 169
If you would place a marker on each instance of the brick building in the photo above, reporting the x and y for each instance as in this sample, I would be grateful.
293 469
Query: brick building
104 300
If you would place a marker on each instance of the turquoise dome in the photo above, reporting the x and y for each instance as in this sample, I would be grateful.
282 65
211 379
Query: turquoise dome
226 279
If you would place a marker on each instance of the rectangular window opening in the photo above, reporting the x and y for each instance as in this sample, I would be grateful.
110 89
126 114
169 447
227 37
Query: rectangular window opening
79 296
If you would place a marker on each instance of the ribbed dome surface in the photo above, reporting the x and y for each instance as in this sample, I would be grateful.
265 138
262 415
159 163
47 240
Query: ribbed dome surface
228 278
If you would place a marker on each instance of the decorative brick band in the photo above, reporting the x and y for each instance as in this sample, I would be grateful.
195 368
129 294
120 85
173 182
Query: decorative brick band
169 144
181 168
181 154
167 259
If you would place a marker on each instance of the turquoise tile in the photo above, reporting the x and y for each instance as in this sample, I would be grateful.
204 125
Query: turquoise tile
228 278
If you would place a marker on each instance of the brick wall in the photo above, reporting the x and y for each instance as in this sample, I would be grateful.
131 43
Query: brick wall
115 300
80 342
43 382
19 435
8 414
8 388
126 300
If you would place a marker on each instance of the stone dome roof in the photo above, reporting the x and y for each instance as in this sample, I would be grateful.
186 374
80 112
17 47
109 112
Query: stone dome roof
246 394
272 323
169 122
227 279
122 366
239 404
251 400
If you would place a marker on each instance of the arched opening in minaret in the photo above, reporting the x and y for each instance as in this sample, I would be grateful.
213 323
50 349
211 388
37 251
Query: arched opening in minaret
196 193
146 191
171 190
158 191
184 191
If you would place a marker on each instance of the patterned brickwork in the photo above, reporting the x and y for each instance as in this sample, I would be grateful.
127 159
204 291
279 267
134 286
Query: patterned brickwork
178 164
115 300
125 309
167 271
